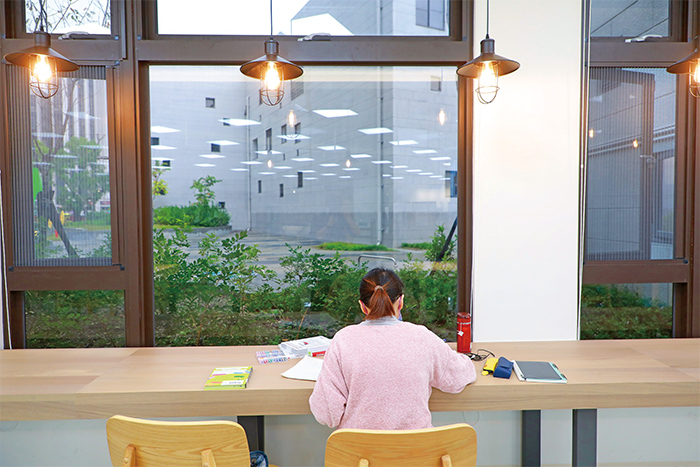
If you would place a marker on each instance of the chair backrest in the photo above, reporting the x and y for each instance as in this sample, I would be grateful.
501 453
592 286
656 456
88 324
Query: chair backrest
144 443
451 445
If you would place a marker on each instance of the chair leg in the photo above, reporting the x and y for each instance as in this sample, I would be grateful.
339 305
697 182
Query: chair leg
129 457
446 461
208 459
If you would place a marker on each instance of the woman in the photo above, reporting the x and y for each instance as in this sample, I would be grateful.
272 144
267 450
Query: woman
379 374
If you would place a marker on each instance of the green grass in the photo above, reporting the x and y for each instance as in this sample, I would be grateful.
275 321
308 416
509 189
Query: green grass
342 246
417 246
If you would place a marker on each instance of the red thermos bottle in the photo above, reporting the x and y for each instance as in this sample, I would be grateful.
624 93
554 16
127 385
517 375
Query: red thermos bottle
464 332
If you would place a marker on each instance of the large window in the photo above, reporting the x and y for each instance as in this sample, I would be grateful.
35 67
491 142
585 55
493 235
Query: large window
638 192
363 186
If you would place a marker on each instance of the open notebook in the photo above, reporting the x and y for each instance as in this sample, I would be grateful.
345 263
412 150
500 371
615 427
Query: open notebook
308 369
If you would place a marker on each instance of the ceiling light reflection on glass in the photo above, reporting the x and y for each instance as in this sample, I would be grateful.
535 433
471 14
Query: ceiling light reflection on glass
335 113
404 142
331 148
375 131
360 156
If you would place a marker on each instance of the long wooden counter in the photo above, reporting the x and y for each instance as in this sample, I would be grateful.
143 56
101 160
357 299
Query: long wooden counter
168 382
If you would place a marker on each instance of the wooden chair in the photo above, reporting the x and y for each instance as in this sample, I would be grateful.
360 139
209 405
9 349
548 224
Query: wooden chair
135 442
446 446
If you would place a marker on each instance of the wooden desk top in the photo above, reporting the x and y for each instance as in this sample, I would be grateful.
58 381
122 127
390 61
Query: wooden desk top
56 384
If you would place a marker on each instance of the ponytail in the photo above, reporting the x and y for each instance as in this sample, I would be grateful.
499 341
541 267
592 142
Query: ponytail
379 290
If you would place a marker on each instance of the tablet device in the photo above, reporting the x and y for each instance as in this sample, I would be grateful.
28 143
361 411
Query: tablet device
538 372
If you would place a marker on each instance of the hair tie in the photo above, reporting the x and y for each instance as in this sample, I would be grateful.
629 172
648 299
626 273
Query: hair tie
378 287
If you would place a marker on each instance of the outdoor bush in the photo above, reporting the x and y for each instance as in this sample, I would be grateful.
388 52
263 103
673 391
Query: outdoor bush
616 312
309 277
437 243
195 215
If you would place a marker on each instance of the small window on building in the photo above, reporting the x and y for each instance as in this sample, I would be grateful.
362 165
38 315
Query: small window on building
435 83
259 186
283 132
226 121
300 179
165 163
215 147
222 204
155 141
450 183
297 131
209 102
281 190
431 14
255 149
297 88
268 140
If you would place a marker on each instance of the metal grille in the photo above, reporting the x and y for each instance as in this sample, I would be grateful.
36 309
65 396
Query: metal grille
631 164
60 171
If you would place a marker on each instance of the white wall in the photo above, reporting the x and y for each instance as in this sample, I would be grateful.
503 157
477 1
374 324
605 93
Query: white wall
526 152
298 441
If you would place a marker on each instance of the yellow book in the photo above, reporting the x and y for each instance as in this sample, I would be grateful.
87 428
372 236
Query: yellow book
235 377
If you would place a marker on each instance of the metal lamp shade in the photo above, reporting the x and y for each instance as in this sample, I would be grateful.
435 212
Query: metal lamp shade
42 46
689 65
256 68
42 51
504 65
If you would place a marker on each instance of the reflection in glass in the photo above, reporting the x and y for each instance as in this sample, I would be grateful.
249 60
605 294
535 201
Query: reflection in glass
630 18
306 17
631 164
366 177
66 16
627 311
74 318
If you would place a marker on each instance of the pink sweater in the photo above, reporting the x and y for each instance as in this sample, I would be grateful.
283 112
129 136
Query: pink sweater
380 375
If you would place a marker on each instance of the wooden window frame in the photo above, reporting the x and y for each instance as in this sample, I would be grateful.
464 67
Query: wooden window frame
683 271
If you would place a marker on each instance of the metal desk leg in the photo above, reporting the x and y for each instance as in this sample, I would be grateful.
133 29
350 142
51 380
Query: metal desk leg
530 436
585 438
254 426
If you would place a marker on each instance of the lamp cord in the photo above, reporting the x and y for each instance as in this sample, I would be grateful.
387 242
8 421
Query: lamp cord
270 19
487 17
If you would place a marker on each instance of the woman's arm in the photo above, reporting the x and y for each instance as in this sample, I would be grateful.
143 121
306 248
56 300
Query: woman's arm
330 393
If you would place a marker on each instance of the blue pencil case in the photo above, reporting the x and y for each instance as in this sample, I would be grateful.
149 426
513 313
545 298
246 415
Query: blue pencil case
504 367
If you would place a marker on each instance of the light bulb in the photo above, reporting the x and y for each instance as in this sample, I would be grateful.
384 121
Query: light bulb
695 78
488 82
347 163
291 119
269 163
635 144
442 117
42 69
272 77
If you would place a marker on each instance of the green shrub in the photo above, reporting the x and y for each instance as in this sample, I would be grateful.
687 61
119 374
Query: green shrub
437 243
194 215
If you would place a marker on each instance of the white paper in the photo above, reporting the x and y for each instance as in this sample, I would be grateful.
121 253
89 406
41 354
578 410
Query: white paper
307 369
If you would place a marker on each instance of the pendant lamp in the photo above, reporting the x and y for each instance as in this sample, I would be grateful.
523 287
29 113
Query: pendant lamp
272 70
487 67
691 66
43 62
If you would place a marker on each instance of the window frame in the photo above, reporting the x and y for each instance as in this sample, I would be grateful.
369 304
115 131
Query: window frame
684 270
